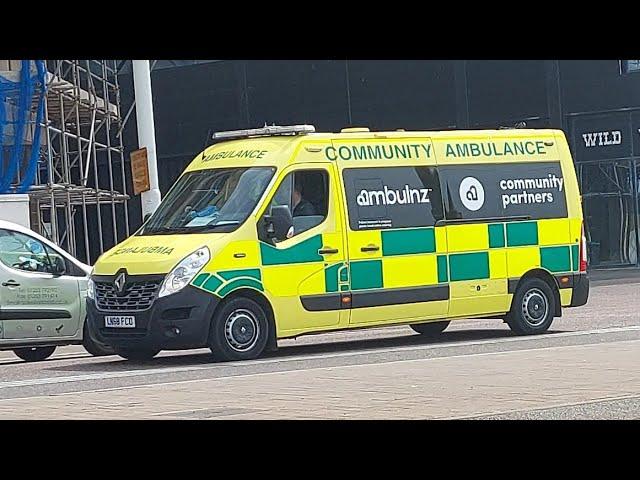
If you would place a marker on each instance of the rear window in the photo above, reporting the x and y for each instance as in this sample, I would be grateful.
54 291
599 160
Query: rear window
535 190
392 197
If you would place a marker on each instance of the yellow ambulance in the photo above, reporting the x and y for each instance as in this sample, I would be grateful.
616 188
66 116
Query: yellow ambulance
277 232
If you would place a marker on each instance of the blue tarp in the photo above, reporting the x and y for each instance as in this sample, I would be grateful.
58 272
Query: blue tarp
16 101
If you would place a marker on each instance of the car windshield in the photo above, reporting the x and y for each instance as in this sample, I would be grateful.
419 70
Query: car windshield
216 200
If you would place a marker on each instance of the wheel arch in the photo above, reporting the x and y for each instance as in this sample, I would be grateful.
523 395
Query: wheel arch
549 279
261 300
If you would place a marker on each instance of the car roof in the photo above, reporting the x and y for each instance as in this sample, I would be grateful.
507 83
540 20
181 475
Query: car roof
276 150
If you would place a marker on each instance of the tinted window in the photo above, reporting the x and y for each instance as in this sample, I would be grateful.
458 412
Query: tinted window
536 190
393 197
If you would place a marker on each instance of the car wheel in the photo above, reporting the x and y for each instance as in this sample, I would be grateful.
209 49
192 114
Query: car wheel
239 330
430 329
532 308
34 354
136 354
94 348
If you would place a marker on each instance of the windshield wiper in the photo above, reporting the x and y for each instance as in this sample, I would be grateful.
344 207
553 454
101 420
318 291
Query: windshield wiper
196 229
164 230
206 228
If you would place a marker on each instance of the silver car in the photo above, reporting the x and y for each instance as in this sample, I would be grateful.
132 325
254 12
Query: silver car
42 296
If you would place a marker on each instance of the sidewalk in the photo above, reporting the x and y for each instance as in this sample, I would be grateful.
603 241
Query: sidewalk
614 276
458 386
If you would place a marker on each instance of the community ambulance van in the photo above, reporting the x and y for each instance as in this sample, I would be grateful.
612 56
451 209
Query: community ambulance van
280 231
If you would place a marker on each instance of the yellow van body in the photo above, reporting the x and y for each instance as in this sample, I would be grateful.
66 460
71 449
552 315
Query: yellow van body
380 271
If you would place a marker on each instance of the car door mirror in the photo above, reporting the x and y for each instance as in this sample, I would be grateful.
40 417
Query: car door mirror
57 266
279 223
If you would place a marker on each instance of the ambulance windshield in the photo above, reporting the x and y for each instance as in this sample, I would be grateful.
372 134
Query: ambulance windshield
216 200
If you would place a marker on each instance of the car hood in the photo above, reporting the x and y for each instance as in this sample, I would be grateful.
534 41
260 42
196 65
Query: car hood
152 254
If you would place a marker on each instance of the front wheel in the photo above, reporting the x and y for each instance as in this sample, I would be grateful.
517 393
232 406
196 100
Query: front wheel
532 308
239 330
94 348
430 329
34 354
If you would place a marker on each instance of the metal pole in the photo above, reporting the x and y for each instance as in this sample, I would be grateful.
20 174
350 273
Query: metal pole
146 131
118 138
133 104
50 179
107 103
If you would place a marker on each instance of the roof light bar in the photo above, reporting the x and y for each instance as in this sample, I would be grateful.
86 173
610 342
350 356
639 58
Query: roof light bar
265 131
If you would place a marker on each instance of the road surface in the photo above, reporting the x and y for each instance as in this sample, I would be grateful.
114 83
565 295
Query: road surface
586 367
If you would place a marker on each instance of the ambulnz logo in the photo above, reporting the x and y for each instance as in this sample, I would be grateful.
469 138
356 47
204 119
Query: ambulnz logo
390 196
471 193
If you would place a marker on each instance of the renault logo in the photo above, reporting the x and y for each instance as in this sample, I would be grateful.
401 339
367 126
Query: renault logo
120 281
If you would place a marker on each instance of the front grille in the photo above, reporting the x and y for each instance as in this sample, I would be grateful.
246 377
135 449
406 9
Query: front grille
136 296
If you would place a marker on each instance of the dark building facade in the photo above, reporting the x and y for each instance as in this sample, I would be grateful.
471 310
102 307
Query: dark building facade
596 103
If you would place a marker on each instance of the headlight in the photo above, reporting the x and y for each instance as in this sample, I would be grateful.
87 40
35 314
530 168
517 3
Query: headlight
91 289
184 272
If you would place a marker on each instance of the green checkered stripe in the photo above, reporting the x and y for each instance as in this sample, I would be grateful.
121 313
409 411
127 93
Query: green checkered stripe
367 274
223 283
556 259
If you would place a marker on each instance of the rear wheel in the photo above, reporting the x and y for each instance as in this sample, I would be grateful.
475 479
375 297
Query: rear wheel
533 308
136 354
239 330
34 354
430 329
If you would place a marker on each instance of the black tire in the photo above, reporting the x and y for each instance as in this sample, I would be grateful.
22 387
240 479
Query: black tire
94 348
533 308
239 330
137 355
34 354
430 329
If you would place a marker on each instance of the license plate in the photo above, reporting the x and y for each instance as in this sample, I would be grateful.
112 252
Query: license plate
120 321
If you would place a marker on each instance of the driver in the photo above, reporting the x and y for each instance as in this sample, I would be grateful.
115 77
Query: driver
301 206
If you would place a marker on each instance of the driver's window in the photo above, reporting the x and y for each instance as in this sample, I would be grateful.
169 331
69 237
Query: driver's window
300 203
23 252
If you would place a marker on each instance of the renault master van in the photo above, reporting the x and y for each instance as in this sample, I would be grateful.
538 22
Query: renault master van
280 231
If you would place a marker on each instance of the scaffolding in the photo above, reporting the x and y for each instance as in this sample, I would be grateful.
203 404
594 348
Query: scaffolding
79 198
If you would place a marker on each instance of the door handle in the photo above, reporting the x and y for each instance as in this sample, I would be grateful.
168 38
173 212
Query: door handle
370 248
327 251
10 283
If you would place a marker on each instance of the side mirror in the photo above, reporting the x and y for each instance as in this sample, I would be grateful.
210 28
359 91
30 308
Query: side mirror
58 267
279 222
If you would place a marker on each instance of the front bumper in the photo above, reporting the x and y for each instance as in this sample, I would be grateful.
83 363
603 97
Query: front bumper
176 322
580 290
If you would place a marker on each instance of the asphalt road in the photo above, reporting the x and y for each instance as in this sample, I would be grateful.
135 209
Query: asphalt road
587 366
